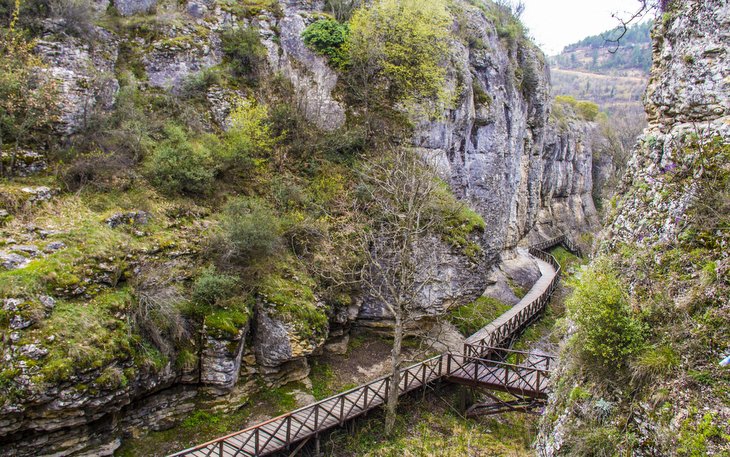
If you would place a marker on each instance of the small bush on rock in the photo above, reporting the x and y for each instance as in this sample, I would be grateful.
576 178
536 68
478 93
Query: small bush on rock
328 37
244 51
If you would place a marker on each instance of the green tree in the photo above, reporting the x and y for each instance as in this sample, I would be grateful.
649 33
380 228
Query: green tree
328 37
249 137
396 50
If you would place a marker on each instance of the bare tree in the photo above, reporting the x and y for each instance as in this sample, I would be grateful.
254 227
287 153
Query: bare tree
400 192
645 7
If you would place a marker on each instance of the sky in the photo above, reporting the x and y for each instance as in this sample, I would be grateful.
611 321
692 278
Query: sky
557 23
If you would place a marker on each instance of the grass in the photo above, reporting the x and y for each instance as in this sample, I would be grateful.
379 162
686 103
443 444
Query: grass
430 428
322 377
566 259
471 317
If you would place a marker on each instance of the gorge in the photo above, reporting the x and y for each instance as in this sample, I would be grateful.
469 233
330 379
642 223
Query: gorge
183 203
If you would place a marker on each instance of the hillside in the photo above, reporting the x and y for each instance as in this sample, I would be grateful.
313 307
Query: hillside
610 73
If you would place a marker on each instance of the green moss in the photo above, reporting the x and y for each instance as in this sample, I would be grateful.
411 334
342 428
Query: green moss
566 259
471 317
88 337
458 224
516 289
289 292
694 435
282 399
322 376
226 320
251 8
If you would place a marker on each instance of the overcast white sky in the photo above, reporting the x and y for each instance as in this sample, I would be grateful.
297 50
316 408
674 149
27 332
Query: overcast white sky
556 23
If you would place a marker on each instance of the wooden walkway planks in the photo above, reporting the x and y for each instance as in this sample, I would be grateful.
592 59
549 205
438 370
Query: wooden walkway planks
474 367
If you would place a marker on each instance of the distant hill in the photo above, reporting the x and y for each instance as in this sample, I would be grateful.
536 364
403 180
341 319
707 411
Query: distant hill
602 53
600 69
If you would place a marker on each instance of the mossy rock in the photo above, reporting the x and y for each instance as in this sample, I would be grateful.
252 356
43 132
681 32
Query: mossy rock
288 291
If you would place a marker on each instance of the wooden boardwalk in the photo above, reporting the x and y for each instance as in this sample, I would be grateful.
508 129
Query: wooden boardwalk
484 363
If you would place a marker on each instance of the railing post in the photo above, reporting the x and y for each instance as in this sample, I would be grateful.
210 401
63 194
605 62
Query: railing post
448 365
256 441
220 448
342 409
316 417
288 430
441 365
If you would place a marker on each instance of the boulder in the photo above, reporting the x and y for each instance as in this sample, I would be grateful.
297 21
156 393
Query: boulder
130 7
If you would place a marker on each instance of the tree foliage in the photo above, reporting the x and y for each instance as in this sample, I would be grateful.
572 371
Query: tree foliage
608 332
328 37
396 50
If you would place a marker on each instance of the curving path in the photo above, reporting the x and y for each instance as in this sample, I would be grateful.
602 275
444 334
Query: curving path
548 274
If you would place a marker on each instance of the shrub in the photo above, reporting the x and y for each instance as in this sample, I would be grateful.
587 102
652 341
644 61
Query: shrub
244 51
249 229
211 287
249 134
587 110
327 37
178 165
103 171
607 330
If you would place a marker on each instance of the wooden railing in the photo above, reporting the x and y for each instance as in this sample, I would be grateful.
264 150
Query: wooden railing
512 322
526 380
479 363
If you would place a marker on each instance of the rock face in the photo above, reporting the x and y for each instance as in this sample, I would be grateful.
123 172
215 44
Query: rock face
688 97
84 76
498 148
312 78
689 80
220 361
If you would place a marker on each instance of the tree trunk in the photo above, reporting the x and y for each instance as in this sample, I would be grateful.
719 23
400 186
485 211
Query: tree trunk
395 360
